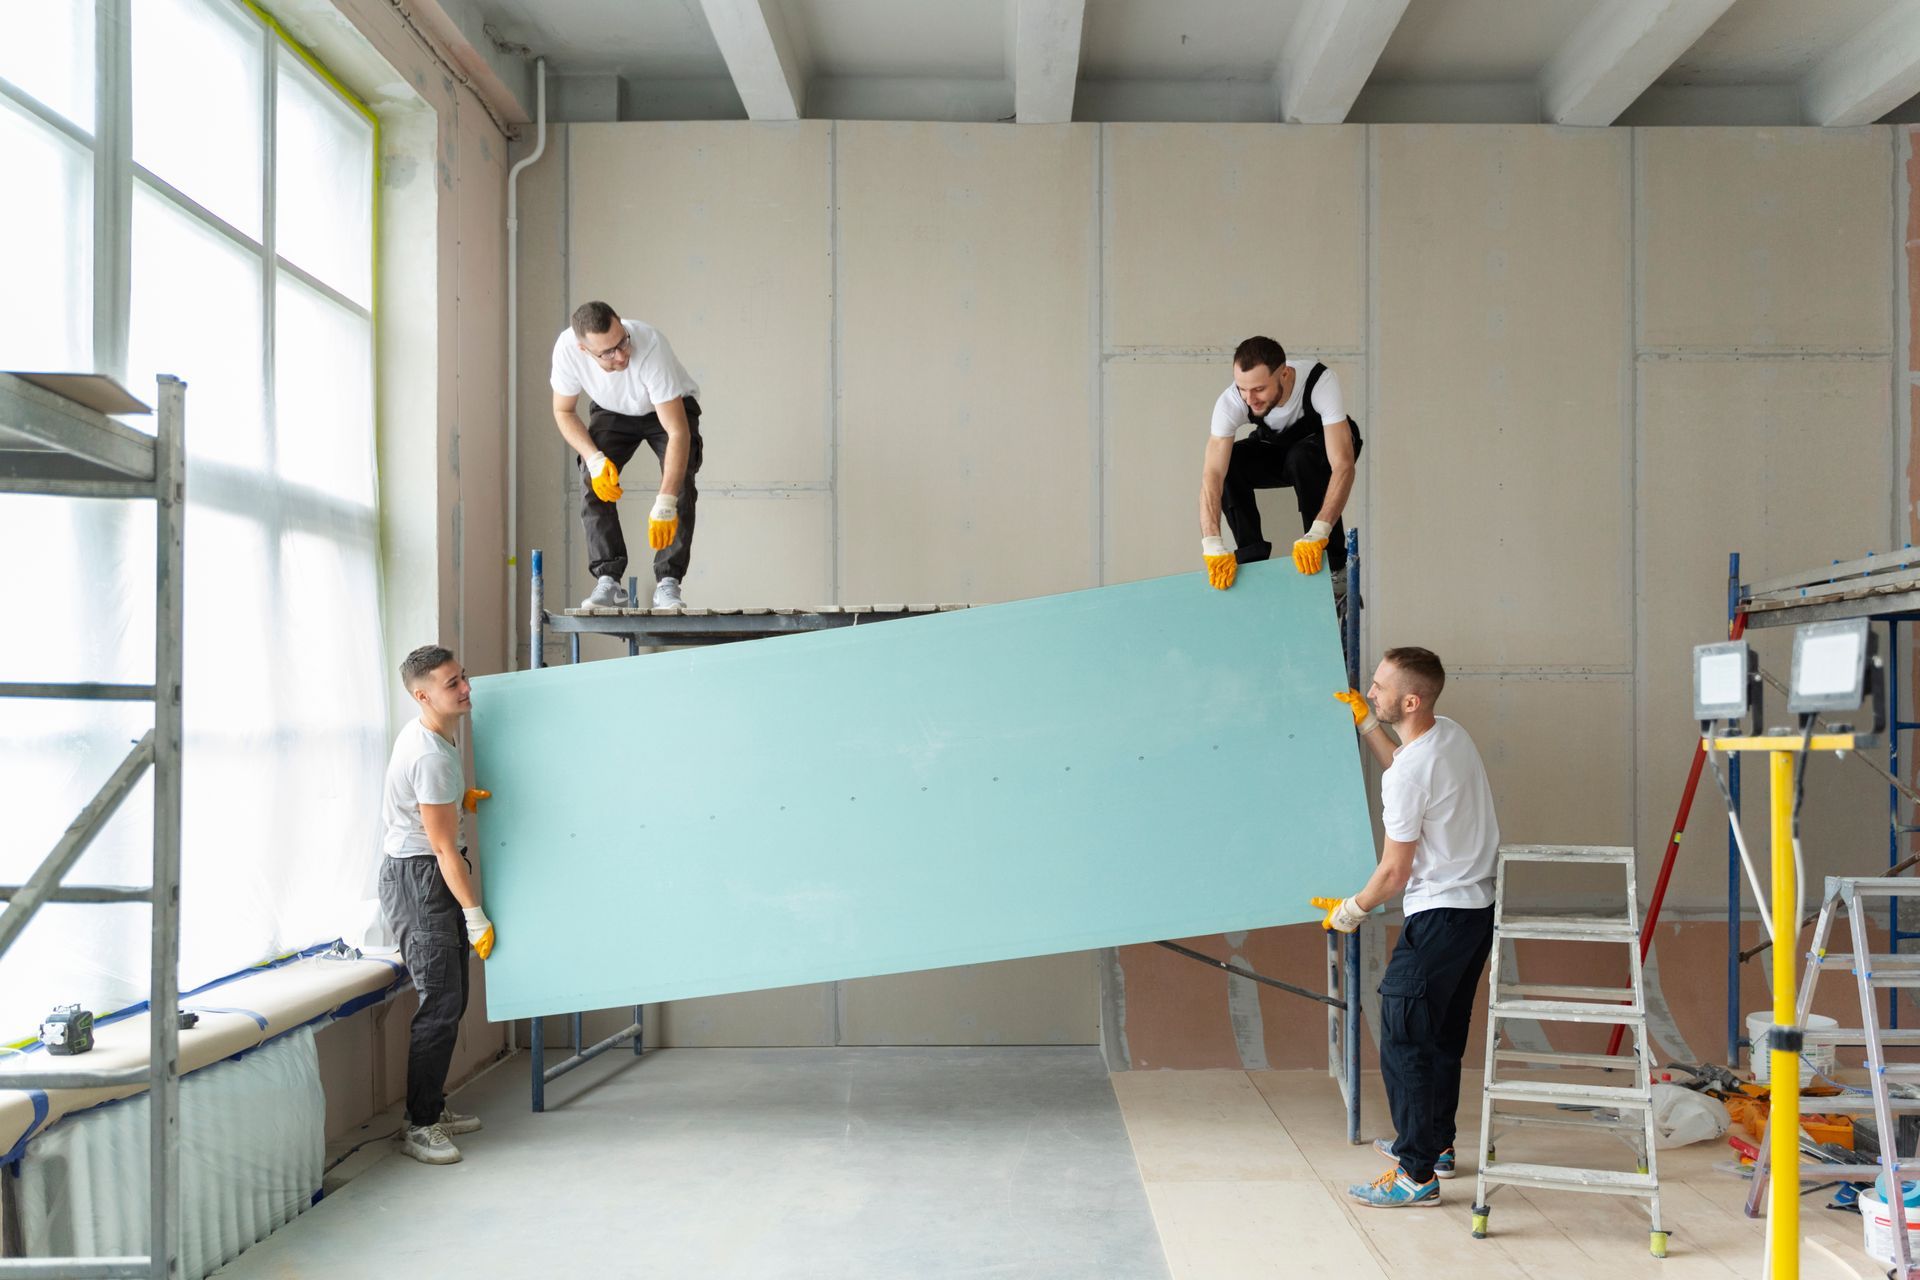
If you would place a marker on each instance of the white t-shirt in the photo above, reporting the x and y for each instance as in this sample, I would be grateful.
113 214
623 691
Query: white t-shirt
1435 794
1230 410
424 769
653 374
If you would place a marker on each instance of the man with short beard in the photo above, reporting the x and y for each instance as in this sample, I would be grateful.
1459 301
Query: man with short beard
1442 843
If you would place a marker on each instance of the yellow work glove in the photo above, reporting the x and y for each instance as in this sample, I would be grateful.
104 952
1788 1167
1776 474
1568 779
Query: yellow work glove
479 930
605 477
663 521
1311 547
471 801
1363 717
1221 566
1343 914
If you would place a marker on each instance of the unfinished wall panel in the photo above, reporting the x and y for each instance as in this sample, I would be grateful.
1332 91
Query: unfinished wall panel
1157 420
786 1016
717 234
1046 1000
1216 232
1784 461
1766 239
966 262
1499 465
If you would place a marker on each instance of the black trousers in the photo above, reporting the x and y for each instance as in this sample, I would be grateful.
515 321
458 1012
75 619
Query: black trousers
1426 1006
619 436
1265 460
433 942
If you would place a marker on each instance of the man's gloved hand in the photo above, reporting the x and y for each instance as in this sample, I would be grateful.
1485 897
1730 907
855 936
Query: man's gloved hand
1343 914
1311 547
1221 566
471 801
1363 718
663 521
605 477
479 930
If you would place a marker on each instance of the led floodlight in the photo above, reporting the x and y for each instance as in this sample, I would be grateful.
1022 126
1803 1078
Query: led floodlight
1829 666
1725 681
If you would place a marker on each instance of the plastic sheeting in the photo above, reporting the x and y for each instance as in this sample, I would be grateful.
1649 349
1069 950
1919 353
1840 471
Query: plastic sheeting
252 1154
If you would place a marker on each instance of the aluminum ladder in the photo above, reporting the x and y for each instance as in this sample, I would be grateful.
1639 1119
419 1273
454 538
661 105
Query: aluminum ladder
1624 1111
1880 973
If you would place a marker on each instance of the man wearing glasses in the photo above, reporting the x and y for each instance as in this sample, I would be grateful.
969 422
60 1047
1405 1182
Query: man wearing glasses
1302 439
641 395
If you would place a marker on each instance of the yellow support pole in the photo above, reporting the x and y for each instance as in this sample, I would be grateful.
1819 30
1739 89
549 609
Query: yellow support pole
1783 1211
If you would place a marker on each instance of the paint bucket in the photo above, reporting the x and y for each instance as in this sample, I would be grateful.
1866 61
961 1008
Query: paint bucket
1818 1056
1876 1223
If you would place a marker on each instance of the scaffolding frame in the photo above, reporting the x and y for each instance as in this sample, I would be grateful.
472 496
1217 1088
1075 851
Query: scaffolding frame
1883 589
53 442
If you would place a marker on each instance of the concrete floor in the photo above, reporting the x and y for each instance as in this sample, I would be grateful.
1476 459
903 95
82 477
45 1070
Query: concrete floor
757 1162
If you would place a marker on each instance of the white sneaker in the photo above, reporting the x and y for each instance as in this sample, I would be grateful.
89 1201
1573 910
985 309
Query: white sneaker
607 594
453 1122
666 594
429 1144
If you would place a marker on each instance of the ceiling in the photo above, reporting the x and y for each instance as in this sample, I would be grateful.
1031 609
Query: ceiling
1580 62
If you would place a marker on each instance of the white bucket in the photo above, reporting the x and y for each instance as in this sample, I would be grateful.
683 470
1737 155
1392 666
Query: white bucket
1877 1225
1820 1055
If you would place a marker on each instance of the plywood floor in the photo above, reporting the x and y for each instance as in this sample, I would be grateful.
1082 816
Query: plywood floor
1247 1174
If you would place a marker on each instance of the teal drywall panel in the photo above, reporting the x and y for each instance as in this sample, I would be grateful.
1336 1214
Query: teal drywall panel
1137 762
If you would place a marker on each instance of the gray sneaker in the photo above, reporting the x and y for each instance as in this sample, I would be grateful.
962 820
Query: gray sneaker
666 594
453 1122
429 1144
607 594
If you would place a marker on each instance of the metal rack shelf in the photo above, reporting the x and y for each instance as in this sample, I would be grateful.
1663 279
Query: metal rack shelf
56 439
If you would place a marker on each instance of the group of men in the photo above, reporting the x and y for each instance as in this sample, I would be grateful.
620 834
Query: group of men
1280 424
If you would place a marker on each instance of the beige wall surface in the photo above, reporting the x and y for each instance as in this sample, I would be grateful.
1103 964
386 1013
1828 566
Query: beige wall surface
1587 363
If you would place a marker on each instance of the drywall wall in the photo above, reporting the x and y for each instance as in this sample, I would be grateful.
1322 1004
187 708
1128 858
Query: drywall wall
1588 364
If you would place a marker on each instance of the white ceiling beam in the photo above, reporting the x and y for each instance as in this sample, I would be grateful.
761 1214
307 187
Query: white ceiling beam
761 55
1329 53
1046 59
1869 75
1617 52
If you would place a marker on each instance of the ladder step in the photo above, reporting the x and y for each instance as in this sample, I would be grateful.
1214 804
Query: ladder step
1568 928
1855 1036
1566 1011
1557 1092
1620 854
1597 995
1609 1181
1854 1102
1618 1123
1597 1061
1878 886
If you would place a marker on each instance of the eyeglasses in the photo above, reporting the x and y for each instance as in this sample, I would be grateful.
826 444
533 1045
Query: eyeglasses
626 341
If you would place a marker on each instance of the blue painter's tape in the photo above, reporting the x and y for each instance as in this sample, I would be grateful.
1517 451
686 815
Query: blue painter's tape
19 1148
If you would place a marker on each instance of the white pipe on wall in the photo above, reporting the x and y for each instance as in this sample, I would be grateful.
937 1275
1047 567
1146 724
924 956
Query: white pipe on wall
513 363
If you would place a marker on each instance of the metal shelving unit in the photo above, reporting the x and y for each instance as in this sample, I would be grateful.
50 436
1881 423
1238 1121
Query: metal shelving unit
56 439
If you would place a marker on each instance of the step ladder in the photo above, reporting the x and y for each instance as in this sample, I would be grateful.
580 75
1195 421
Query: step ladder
1879 973
1622 1111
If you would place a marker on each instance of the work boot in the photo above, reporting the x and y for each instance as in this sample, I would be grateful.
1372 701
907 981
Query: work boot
429 1144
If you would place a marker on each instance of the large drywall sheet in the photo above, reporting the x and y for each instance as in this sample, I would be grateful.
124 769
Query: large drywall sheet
1216 232
1501 469
967 329
1766 239
1027 779
1785 461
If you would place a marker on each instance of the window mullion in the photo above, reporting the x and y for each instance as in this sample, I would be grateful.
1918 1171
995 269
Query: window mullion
269 254
113 187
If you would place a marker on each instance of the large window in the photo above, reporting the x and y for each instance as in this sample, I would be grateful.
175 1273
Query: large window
189 195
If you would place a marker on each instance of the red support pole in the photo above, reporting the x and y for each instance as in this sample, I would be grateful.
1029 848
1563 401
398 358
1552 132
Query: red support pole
1734 632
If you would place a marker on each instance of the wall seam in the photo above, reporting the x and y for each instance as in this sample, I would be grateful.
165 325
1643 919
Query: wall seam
1632 420
1096 323
835 341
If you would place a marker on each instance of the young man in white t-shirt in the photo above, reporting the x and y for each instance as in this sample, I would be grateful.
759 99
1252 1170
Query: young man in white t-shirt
1302 439
641 395
428 892
1442 841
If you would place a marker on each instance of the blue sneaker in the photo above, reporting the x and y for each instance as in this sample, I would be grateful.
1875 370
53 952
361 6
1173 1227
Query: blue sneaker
1395 1190
1443 1166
